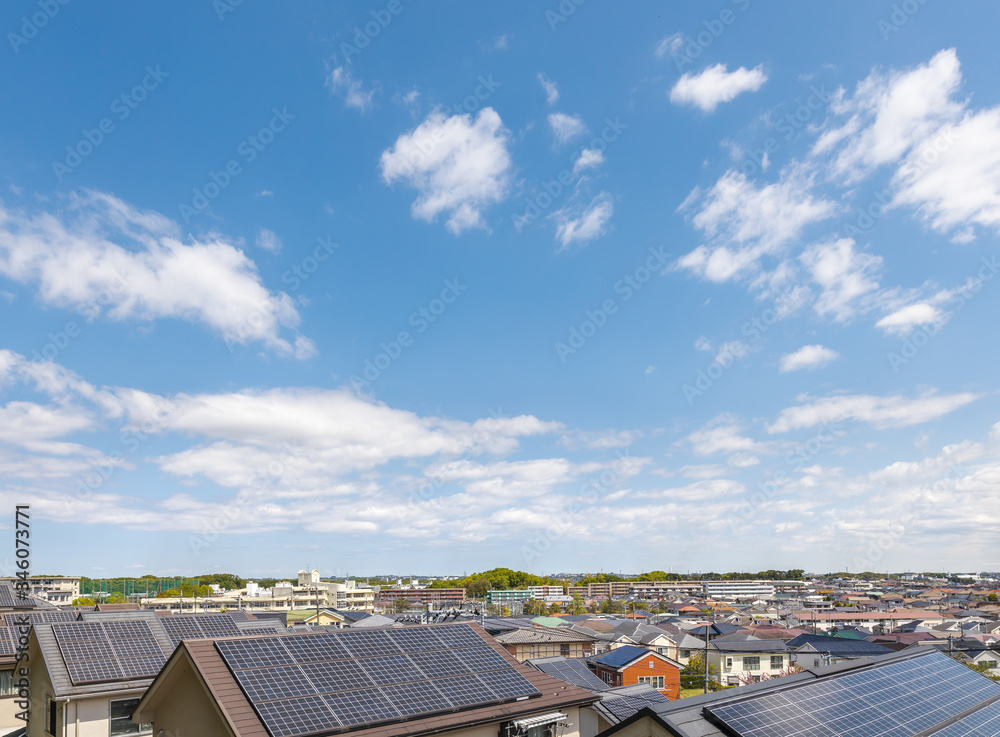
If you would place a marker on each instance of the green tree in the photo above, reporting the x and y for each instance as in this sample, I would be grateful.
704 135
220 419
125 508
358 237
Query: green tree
577 607
168 594
400 605
84 601
607 607
693 675
115 599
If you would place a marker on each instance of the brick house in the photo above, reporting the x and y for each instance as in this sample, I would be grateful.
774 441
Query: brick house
630 665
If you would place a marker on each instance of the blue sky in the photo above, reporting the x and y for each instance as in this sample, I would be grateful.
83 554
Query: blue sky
432 288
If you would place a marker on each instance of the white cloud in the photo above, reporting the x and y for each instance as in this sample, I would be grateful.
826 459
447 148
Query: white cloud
564 127
589 158
904 320
888 115
715 85
721 435
501 42
844 275
745 222
268 240
882 412
551 91
458 166
670 44
807 357
576 226
103 257
341 81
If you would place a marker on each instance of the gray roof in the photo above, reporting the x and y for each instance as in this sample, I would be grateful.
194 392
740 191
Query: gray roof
750 646
59 676
128 615
537 635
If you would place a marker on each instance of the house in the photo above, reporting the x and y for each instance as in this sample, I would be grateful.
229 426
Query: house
426 679
748 659
623 702
811 651
545 642
86 677
646 635
631 665
683 646
931 694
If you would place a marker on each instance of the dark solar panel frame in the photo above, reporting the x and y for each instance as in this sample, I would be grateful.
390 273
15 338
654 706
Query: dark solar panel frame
300 684
894 700
575 672
39 617
198 626
8 640
6 597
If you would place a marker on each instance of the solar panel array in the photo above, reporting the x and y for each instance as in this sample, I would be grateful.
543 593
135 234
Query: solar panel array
46 617
6 597
301 684
198 626
8 640
572 670
625 706
895 700
95 652
984 723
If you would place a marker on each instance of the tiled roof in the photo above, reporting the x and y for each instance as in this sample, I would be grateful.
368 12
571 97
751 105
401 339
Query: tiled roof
539 635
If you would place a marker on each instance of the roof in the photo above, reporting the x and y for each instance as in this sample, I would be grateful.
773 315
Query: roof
538 635
689 718
838 646
549 621
750 646
571 670
618 704
244 721
622 656
117 607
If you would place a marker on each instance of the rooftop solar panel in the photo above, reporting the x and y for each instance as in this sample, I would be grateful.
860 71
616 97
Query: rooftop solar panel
306 683
7 596
571 670
95 652
198 626
8 640
899 699
624 707
13 619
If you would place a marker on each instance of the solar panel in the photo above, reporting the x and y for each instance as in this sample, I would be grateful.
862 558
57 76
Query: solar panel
6 597
198 626
38 617
574 671
894 700
8 640
108 651
624 707
304 683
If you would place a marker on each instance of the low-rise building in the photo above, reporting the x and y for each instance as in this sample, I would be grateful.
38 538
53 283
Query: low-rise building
546 642
631 665
748 660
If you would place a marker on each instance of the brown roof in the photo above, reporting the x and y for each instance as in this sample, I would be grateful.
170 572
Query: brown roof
116 607
244 722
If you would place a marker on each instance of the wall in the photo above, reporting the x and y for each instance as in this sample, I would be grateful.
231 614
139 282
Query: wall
671 675
187 710
549 650
644 727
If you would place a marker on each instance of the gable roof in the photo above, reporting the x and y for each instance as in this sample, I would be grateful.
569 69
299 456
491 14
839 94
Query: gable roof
626 654
571 670
837 646
540 635
242 719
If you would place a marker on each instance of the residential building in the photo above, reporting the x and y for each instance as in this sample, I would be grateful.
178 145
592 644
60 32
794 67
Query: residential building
540 592
546 642
958 703
422 596
811 651
631 665
738 589
58 590
224 688
748 660
508 596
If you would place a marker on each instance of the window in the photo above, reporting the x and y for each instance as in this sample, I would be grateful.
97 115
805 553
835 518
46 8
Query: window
652 664
729 663
121 718
685 653
815 662
751 662
564 650
7 687
654 681
52 723
777 662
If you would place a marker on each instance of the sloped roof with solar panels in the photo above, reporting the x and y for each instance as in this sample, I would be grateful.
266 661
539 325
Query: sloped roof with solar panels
386 682
906 694
109 651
